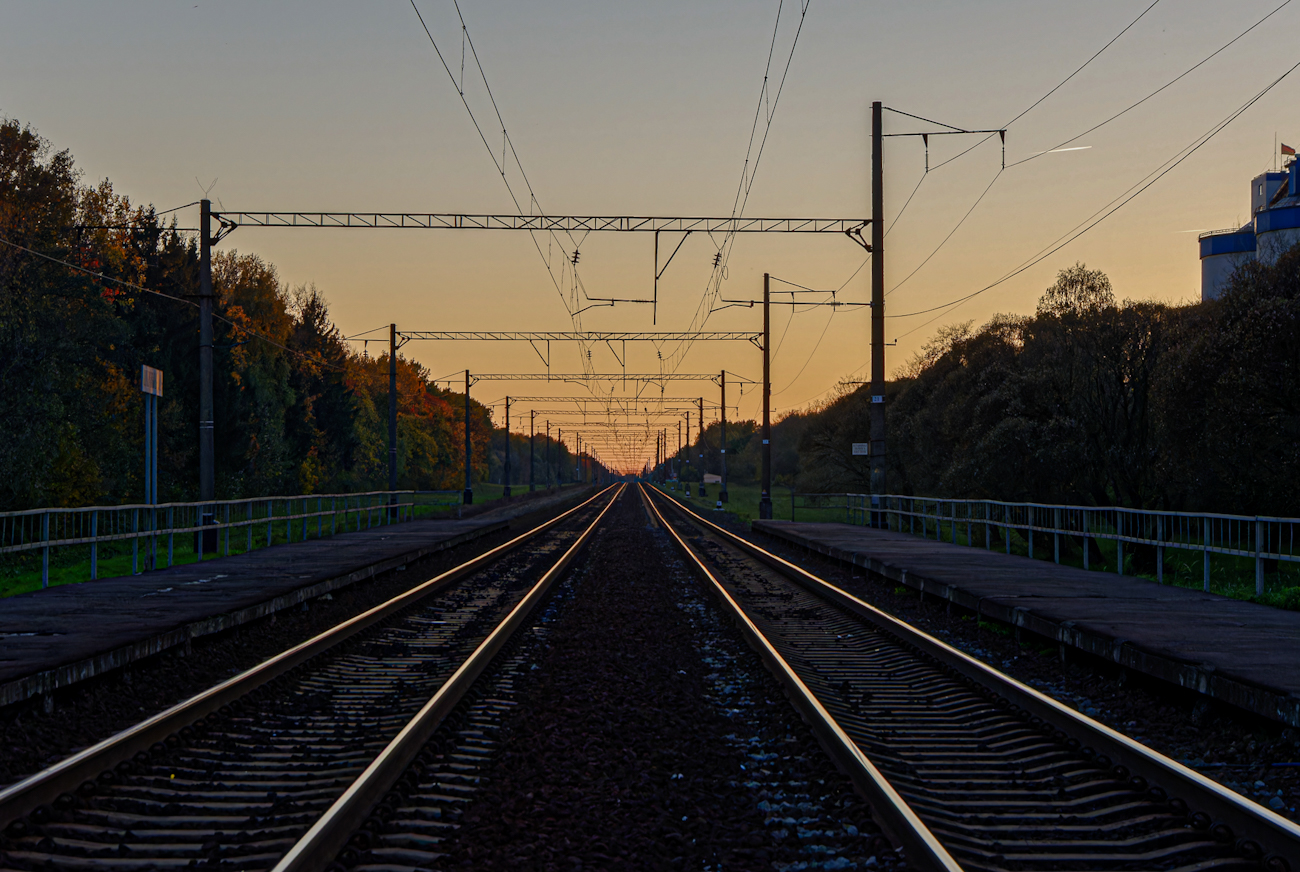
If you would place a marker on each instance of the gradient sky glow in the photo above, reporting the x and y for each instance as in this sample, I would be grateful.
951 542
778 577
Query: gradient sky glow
645 109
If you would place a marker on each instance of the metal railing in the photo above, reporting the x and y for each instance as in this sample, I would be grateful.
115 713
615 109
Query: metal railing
1260 538
149 528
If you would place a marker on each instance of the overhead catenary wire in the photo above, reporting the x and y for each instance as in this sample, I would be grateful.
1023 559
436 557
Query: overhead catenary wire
1110 208
944 241
177 208
500 164
1166 85
985 139
1062 83
811 354
748 174
357 336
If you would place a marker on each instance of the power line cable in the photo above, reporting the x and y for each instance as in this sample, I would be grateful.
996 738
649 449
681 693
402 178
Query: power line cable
748 174
500 164
944 241
1085 64
1112 207
1072 139
985 139
1172 81
811 354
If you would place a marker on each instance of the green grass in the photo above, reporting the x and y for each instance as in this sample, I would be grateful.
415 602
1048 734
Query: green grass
1230 576
21 573
743 502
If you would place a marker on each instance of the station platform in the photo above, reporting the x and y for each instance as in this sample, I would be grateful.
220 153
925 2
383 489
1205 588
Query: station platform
56 637
1241 653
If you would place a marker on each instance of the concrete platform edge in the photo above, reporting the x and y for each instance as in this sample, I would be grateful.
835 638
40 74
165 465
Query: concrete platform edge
46 682
1236 691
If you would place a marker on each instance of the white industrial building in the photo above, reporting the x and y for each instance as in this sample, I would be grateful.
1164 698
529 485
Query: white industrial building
1273 228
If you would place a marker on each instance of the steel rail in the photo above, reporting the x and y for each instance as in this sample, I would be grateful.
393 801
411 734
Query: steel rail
891 811
330 833
1259 833
67 775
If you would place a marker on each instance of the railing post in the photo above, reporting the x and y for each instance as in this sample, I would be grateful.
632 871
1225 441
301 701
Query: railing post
1160 549
1119 542
94 545
171 536
988 533
45 550
1056 534
1087 539
1006 529
1205 550
1029 528
270 515
135 542
970 535
225 533
334 515
954 522
1259 561
320 505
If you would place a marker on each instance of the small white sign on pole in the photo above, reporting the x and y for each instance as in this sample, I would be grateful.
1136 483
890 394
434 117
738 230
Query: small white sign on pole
861 449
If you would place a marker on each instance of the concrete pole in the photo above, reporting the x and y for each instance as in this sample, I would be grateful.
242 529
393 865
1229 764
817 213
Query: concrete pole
722 495
469 450
392 420
878 459
700 406
505 491
207 451
532 455
765 497
688 438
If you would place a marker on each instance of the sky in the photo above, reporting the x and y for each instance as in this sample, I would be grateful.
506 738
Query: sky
647 109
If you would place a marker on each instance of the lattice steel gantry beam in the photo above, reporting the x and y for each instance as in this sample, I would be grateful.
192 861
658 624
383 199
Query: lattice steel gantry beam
583 336
560 223
578 376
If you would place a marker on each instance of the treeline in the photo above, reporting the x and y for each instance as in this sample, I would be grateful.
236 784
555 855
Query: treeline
1093 401
297 411
1089 401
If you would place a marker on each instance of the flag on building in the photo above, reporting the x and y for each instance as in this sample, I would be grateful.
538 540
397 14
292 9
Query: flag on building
1286 149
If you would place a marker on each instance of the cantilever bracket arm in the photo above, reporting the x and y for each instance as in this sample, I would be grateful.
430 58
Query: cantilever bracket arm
227 227
855 233
660 272
546 361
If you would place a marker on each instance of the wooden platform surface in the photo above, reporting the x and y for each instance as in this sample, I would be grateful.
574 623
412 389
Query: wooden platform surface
53 638
1240 652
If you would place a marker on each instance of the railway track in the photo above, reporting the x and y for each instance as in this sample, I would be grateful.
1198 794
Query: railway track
964 767
280 766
